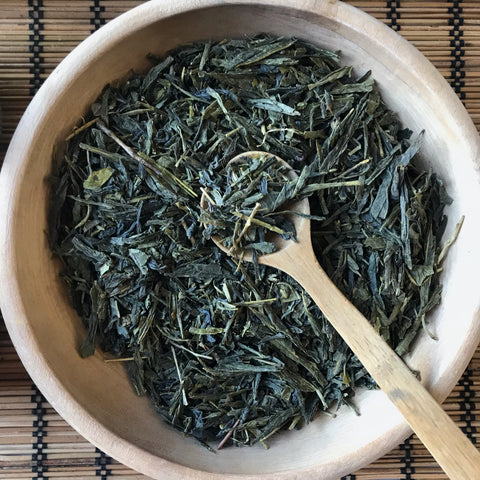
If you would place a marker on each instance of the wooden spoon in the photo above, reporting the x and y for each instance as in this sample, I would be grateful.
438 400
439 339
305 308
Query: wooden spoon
454 452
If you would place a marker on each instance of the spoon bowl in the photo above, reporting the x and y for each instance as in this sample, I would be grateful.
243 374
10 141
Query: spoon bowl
301 222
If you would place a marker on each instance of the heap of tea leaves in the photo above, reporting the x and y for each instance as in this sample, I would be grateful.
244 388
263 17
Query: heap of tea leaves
244 211
229 349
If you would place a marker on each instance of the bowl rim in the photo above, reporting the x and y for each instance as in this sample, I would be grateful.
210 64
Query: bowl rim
10 291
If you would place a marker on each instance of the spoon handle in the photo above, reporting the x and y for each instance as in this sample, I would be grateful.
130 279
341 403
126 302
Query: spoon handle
453 451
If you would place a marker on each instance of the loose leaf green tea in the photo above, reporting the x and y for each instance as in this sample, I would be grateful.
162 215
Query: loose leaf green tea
244 210
229 349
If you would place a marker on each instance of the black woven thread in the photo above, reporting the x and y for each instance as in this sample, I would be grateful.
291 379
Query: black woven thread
35 13
393 14
468 406
408 470
39 468
102 462
97 19
457 65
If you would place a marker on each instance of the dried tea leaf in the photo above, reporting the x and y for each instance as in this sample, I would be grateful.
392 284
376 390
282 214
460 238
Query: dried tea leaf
97 179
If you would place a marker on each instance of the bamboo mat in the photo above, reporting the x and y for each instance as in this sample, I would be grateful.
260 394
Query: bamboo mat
35 35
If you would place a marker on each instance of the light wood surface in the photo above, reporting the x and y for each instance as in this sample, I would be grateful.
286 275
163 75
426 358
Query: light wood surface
95 397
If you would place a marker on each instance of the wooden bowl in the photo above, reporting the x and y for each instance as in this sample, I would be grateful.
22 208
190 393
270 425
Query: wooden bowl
95 397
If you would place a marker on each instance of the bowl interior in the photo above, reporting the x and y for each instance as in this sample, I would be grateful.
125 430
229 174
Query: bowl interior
96 397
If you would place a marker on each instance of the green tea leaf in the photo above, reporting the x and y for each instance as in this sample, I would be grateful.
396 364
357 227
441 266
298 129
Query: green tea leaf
97 179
